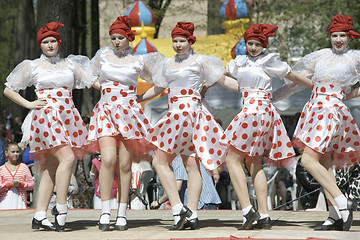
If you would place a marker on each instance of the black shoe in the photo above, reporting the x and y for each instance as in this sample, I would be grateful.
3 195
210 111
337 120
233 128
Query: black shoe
58 227
264 223
36 224
184 213
350 207
337 226
193 224
121 227
251 217
104 226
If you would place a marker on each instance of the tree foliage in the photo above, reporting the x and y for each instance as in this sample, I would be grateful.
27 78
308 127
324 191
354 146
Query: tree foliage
159 8
303 24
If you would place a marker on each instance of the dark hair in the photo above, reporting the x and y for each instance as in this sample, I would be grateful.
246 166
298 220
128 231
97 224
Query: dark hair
9 143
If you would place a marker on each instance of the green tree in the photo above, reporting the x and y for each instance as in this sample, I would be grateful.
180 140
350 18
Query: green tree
304 23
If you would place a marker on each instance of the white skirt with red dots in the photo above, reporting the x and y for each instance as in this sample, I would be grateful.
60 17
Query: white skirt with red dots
118 114
189 128
326 125
258 129
57 124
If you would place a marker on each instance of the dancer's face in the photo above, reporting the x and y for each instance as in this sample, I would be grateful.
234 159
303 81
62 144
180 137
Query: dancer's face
181 45
119 42
49 46
254 48
12 154
339 40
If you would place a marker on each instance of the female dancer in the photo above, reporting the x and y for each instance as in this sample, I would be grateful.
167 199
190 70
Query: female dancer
117 122
257 130
326 130
54 126
189 128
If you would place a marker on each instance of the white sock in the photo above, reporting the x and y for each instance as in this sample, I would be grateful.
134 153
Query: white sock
341 201
105 208
40 215
176 210
246 211
121 220
262 216
193 216
334 213
61 218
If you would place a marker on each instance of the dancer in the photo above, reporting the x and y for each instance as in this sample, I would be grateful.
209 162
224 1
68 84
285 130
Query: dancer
54 126
117 122
257 130
188 128
15 179
326 130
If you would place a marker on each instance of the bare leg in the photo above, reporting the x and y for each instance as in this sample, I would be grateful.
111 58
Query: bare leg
47 184
311 162
194 182
125 161
66 160
108 161
234 161
260 183
161 163
108 150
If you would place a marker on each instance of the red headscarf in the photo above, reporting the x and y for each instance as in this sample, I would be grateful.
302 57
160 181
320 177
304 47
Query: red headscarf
260 32
342 23
122 26
49 30
185 30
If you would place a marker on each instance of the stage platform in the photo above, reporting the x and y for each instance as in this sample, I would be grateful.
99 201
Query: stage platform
150 224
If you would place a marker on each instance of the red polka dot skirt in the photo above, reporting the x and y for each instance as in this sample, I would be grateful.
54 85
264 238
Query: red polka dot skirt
118 113
326 125
258 129
59 123
189 128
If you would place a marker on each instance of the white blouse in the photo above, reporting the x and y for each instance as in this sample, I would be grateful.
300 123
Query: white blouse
257 71
109 65
188 72
45 73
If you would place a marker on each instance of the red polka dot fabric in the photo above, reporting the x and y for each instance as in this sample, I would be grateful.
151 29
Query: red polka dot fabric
58 123
326 125
189 128
118 112
258 129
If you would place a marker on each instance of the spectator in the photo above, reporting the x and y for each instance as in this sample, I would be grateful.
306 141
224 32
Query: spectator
17 132
15 180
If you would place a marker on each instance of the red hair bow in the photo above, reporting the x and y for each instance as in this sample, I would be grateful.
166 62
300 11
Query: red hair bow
260 32
50 29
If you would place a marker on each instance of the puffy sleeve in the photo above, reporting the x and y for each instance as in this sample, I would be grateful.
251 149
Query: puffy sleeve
274 67
232 69
150 60
305 66
158 77
95 63
212 68
20 78
82 71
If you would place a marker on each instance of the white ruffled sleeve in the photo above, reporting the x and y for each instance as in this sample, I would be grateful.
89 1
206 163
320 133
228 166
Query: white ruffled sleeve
150 60
158 76
212 68
232 68
82 71
20 78
274 67
305 66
